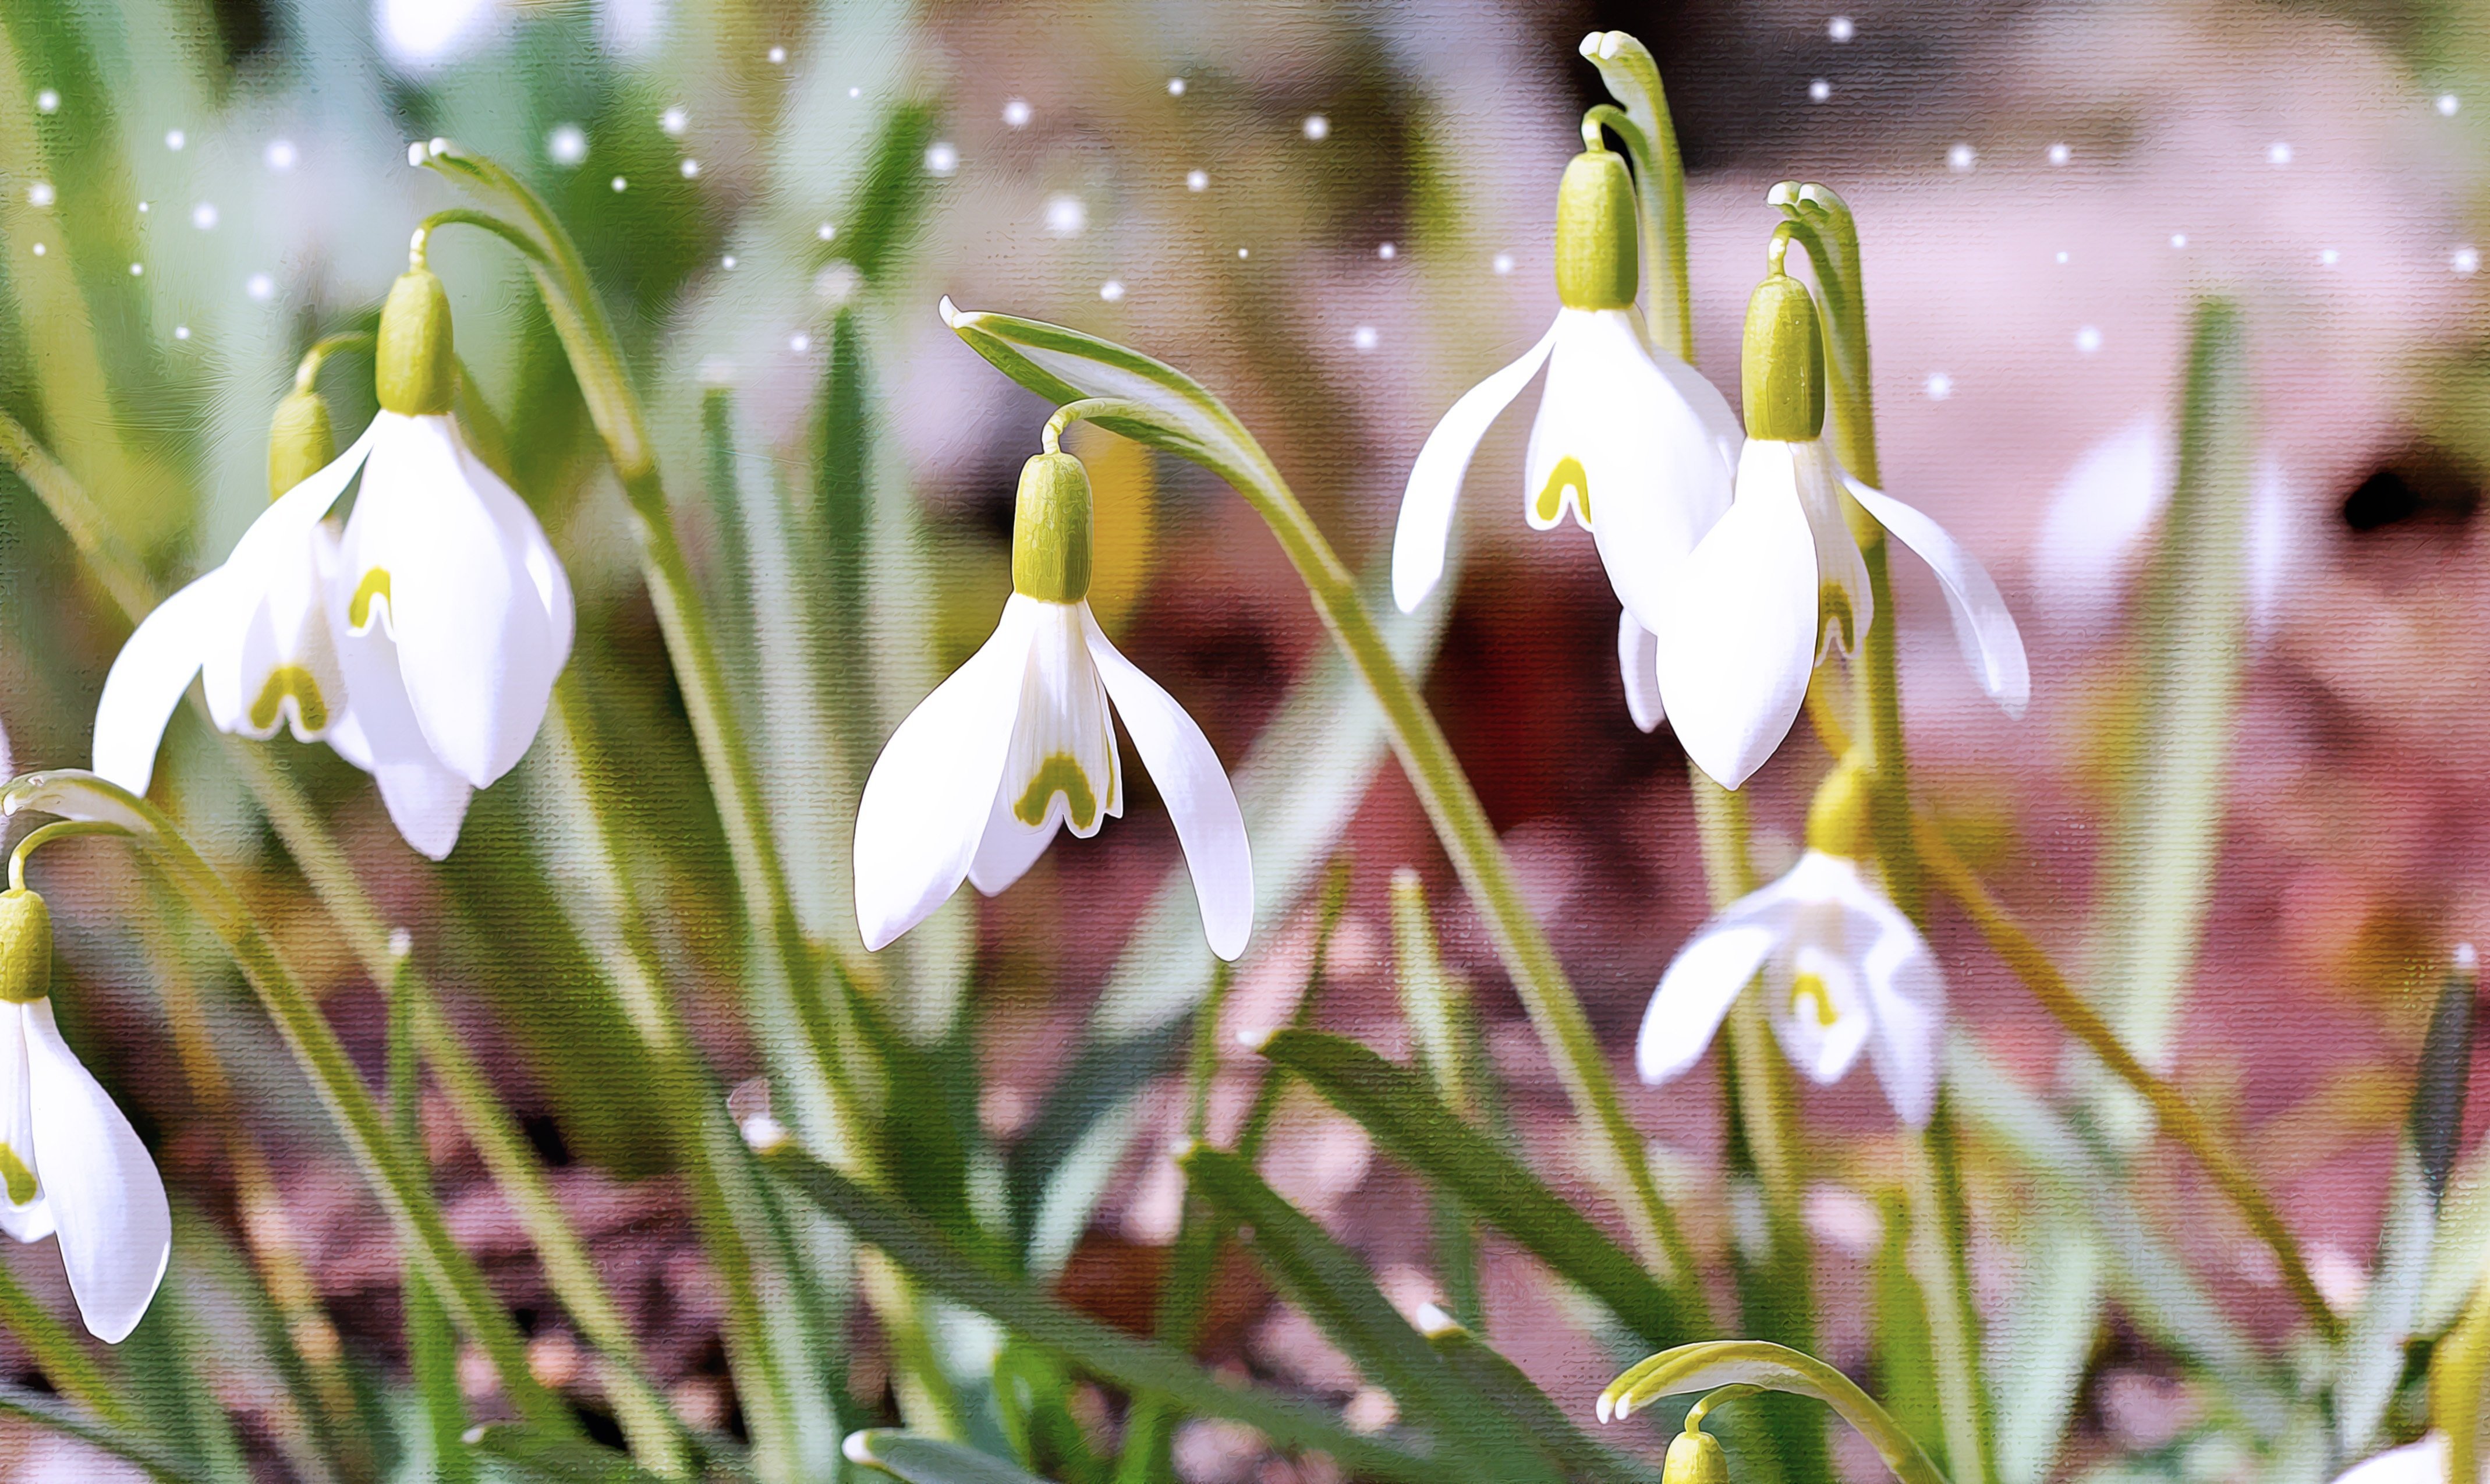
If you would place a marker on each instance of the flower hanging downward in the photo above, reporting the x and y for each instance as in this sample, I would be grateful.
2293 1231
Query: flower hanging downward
423 644
1021 742
1780 581
70 1166
1844 971
1640 449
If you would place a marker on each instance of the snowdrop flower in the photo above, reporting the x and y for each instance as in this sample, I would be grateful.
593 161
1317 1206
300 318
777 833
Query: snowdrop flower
2423 1461
1020 742
1778 583
422 643
70 1166
1639 449
1844 971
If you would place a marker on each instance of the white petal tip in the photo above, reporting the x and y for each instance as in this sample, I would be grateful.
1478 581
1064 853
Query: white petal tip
1433 1321
2466 959
765 1134
950 313
1253 1039
1602 1409
859 1449
1229 949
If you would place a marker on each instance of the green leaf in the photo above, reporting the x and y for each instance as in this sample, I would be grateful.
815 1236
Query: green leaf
532 1455
52 1414
1395 1105
2039 1349
1137 1365
1501 1383
1332 1286
919 1460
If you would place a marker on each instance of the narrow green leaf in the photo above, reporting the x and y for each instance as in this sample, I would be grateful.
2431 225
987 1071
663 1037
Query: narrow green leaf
1137 1365
53 1415
1498 1379
2039 1349
1902 1351
1395 1106
1333 1287
530 1454
919 1460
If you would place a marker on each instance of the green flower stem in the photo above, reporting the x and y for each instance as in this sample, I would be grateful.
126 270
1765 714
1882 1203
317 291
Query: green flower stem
2179 1117
1822 223
1461 825
1633 79
432 1350
1717 1365
654 1434
397 1172
612 405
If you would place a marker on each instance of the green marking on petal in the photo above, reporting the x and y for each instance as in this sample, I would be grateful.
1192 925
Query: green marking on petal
1551 497
19 1179
1809 994
1838 613
1059 774
296 682
358 611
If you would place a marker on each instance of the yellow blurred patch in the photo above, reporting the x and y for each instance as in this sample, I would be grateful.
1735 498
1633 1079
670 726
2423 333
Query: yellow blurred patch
1124 499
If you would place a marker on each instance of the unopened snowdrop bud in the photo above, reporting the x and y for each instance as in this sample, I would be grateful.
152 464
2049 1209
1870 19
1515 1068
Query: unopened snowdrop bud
1837 821
416 371
1596 267
25 947
1695 1456
1051 539
1784 362
299 439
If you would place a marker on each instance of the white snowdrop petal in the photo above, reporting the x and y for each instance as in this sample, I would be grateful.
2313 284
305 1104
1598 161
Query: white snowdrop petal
926 802
1738 644
149 678
2423 1461
380 735
1983 624
1434 487
1009 847
1638 663
115 1229
1696 992
32 1220
1062 765
1197 794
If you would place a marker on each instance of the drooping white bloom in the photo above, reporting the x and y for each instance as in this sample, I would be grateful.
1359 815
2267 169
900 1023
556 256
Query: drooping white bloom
422 643
1020 742
1638 447
1844 971
1780 582
70 1166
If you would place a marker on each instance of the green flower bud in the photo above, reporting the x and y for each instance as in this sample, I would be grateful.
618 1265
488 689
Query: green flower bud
1696 1458
1837 821
416 370
25 947
300 440
1595 265
1051 530
1783 362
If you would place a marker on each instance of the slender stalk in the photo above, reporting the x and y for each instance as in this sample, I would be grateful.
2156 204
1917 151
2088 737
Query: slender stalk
1633 77
395 1172
2032 963
1478 856
432 1355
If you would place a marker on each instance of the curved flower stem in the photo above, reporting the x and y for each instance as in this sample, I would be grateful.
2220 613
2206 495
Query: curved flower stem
1820 223
45 834
2032 963
306 370
829 1108
1724 1366
1460 824
1633 79
397 1172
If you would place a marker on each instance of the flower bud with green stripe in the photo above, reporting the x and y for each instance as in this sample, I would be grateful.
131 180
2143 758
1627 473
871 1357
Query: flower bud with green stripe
1843 969
1021 742
1640 449
1780 583
70 1166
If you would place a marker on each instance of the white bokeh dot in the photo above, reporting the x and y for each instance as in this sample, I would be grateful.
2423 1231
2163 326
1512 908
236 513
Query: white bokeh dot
1840 28
47 101
2447 105
690 169
941 158
1388 252
2087 339
1244 252
1962 156
40 194
777 56
2465 260
1112 291
1819 91
2061 254
855 92
1502 263
174 138
1363 338
1066 216
41 249
1196 180
260 286
1318 126
620 185
1176 87
280 156
1016 113
138 270
181 331
566 145
825 231
1939 385
204 215
2327 257
2179 239
2277 154
799 343
674 121
727 262
2059 153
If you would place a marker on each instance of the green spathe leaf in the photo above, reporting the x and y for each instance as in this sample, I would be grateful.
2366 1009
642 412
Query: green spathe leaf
930 1461
1332 1286
1712 1364
530 1454
1396 1106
